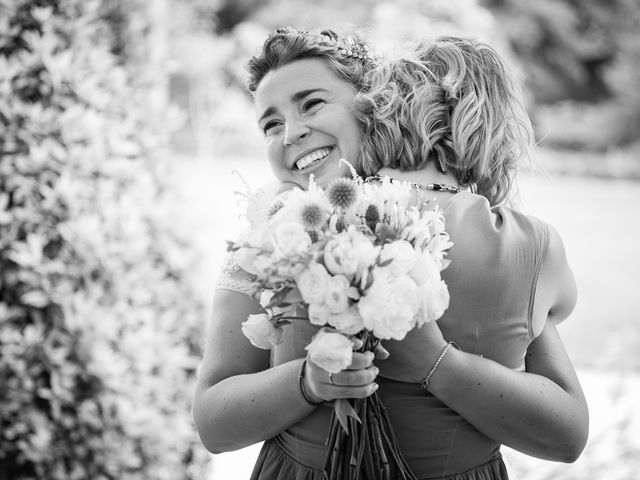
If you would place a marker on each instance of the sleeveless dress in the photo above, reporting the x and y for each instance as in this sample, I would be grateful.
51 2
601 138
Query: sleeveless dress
492 280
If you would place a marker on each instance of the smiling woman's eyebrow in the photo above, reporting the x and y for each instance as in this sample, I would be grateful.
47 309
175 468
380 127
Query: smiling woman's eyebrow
269 111
296 97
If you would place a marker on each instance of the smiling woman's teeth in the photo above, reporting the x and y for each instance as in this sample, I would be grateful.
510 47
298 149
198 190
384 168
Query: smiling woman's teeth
312 157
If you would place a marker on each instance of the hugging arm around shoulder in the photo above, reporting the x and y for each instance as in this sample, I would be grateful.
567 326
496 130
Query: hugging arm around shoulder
540 411
239 400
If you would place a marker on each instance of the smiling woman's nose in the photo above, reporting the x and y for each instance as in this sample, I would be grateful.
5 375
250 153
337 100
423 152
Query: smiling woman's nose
294 132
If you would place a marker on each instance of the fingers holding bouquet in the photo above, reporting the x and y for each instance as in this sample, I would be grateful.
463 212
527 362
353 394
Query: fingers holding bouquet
356 381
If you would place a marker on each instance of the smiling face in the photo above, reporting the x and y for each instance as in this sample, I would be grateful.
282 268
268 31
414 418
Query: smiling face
306 114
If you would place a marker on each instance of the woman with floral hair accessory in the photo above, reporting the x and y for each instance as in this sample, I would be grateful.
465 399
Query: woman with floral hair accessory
245 396
304 85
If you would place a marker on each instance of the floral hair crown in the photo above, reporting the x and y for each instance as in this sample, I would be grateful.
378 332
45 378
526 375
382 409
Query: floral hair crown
347 46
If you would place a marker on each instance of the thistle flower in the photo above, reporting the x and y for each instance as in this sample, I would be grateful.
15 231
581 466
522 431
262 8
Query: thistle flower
312 216
342 193
372 216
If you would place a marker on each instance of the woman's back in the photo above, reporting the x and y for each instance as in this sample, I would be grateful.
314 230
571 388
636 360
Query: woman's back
495 260
492 281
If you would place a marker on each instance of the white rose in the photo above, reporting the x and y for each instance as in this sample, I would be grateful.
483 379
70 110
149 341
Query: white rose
402 256
434 298
349 253
318 314
291 239
339 291
331 351
289 268
260 331
367 254
340 257
425 269
349 321
313 283
390 305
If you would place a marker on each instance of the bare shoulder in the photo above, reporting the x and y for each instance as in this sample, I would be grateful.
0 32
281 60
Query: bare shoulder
556 284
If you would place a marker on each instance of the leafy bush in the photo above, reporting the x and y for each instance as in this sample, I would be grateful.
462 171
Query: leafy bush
99 328
581 61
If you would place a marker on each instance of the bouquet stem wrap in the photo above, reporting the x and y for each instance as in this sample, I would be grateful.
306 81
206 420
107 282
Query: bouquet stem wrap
361 443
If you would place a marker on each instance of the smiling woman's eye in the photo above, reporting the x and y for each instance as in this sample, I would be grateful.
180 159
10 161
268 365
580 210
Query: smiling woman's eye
311 103
270 127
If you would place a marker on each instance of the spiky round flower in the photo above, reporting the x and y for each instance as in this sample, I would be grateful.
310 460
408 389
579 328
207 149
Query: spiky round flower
342 193
312 215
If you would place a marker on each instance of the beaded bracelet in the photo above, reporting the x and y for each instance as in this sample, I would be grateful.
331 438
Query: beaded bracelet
425 381
301 385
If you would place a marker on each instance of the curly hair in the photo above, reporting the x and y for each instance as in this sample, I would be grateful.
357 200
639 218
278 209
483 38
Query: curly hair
453 102
287 45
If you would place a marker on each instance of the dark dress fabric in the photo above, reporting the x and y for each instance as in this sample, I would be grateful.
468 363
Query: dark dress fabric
492 281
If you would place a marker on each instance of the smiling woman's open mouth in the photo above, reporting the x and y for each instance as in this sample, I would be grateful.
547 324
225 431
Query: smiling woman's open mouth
313 158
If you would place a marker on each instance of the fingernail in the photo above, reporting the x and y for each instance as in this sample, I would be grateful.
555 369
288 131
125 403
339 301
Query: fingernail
375 387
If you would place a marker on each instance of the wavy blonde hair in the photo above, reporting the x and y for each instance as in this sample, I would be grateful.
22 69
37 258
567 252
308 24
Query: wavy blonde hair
453 102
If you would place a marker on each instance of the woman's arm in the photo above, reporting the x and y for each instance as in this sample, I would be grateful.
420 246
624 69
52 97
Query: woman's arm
542 411
240 401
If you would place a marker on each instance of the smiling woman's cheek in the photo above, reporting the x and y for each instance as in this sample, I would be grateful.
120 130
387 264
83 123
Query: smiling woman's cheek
276 159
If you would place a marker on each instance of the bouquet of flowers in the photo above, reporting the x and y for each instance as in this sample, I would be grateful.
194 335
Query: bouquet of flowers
363 262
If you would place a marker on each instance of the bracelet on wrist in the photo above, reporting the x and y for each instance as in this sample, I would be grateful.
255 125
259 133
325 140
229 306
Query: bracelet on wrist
301 386
425 381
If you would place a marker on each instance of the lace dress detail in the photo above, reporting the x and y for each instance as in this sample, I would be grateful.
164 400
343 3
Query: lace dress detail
233 278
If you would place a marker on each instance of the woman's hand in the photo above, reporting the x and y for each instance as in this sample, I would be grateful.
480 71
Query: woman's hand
357 381
410 360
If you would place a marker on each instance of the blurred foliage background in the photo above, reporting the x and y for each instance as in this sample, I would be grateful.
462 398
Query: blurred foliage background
580 63
102 103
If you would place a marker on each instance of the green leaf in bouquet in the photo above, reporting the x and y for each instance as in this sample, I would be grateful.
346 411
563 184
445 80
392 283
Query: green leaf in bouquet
279 296
344 411
384 263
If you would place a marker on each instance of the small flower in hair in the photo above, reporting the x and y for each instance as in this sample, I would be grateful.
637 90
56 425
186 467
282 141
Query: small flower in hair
342 193
347 46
